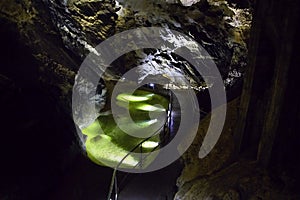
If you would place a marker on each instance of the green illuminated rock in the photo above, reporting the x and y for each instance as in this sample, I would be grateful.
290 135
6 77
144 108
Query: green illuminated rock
107 143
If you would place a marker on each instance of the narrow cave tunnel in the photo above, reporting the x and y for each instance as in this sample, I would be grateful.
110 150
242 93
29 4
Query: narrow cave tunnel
66 137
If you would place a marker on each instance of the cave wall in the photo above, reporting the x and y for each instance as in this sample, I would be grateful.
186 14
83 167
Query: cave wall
266 133
269 111
37 75
269 87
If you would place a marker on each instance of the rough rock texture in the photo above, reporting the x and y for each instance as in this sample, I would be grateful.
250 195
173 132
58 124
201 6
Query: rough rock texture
58 50
270 135
242 180
221 154
222 30
83 24
216 178
52 37
268 117
30 23
37 76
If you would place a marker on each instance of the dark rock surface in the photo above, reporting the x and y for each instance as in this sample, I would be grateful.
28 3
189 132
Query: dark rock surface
217 159
61 33
37 75
44 43
267 164
222 30
244 180
220 176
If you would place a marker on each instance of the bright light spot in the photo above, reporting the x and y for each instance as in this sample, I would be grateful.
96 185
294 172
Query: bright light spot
133 98
151 84
150 144
147 107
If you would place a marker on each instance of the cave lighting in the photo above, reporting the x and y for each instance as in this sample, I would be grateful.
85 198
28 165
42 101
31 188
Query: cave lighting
151 85
148 107
133 98
150 144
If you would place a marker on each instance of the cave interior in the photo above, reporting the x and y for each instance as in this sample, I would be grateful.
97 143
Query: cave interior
48 151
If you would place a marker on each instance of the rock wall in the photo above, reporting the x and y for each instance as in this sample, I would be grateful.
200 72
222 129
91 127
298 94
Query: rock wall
59 36
38 66
265 134
46 41
221 29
